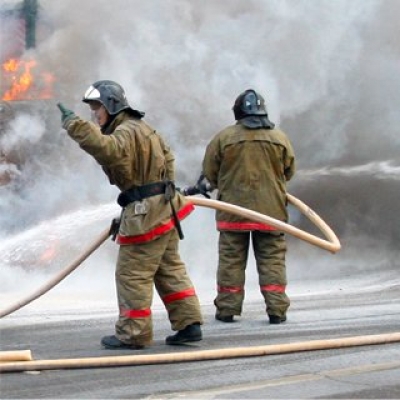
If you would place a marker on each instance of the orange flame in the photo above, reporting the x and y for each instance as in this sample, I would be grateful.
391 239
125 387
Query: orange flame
22 85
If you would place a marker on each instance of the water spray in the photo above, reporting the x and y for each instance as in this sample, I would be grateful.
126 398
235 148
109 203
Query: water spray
59 277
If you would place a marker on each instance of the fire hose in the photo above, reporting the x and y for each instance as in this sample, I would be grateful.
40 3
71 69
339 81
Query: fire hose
202 355
332 243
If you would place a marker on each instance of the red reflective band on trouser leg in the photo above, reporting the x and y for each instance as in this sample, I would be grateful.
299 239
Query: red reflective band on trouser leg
274 288
169 298
124 312
230 289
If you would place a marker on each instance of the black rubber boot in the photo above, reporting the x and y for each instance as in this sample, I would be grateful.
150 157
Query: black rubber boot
192 333
225 318
113 343
274 319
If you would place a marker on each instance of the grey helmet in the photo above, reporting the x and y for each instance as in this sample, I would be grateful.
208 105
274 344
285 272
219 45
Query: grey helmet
250 110
249 103
112 96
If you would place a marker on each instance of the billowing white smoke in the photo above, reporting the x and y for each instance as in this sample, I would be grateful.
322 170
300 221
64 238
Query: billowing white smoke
328 71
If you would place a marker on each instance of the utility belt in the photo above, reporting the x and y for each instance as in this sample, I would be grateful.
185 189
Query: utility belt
138 193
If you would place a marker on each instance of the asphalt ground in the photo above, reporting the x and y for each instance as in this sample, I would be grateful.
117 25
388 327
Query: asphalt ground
354 372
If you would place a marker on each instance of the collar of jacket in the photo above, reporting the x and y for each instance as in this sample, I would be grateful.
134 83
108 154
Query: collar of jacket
115 120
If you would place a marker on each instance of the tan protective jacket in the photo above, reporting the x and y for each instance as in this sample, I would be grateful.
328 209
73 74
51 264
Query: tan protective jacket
250 168
134 154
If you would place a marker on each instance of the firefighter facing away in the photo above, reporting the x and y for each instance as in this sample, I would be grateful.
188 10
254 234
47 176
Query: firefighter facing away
249 163
139 162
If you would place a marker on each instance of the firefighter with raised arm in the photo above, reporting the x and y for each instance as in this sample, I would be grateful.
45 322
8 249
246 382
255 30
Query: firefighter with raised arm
139 162
249 163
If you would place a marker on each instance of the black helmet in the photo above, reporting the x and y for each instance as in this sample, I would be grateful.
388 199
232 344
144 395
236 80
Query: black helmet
112 96
249 103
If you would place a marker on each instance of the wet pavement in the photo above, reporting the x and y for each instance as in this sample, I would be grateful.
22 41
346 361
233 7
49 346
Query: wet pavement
365 371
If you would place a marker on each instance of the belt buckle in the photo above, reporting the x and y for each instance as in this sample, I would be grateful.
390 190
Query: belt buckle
140 208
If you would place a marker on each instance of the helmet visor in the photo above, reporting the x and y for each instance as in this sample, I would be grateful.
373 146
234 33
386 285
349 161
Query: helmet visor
91 94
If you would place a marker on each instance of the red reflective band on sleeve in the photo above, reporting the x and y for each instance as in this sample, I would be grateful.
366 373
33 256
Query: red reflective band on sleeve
273 288
124 312
230 289
244 226
158 231
169 298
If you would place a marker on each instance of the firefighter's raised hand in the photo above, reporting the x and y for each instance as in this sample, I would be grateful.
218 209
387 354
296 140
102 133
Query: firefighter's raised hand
67 116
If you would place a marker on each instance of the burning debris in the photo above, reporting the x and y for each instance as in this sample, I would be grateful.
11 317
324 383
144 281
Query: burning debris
24 81
22 76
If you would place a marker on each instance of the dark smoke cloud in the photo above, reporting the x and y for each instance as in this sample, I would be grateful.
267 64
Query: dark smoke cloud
328 71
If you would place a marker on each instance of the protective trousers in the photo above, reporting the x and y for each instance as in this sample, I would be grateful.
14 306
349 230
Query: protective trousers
269 251
141 266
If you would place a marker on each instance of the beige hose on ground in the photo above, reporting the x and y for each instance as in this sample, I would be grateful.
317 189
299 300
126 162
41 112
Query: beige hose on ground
15 355
217 354
59 277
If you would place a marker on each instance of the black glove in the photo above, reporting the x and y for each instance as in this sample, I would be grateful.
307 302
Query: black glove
202 187
67 116
190 190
